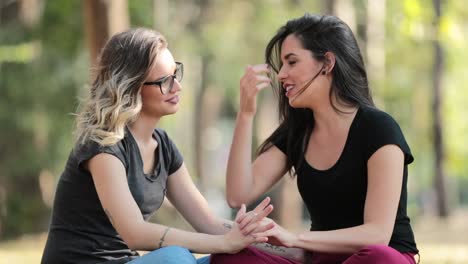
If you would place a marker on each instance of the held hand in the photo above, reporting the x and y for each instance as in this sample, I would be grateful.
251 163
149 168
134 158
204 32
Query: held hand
252 223
253 81
235 241
258 214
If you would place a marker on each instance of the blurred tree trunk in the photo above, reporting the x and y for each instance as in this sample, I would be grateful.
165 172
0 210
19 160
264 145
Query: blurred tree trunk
30 12
201 122
345 10
102 20
96 26
374 44
201 110
362 9
439 180
329 6
160 15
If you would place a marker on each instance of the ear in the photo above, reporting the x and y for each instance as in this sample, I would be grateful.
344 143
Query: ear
329 61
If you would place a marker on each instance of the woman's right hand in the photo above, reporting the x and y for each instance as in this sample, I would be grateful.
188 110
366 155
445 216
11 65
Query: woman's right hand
254 80
235 241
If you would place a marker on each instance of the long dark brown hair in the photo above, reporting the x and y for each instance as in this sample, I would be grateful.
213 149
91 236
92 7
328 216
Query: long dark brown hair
319 34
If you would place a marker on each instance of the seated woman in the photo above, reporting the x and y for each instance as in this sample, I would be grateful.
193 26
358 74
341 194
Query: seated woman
350 158
121 168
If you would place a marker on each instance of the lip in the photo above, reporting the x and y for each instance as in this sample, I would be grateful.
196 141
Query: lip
173 100
288 91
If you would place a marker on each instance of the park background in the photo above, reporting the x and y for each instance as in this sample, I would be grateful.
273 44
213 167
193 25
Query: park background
415 52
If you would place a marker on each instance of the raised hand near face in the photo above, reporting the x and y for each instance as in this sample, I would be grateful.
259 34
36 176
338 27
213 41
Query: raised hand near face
254 80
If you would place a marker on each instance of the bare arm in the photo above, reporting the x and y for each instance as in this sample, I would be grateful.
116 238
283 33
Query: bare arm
246 182
385 176
112 187
188 200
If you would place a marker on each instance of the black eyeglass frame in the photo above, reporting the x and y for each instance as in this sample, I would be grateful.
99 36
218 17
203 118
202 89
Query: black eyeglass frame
160 81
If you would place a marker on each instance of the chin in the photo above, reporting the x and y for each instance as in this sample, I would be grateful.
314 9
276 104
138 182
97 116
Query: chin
171 111
295 103
163 112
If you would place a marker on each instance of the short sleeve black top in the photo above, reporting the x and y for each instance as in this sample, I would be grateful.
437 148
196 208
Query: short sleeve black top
335 197
80 231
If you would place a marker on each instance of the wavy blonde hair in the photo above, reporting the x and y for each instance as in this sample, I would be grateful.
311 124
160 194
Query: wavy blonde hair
114 99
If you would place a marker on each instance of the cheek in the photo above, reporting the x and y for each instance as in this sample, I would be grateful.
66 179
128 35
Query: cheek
305 72
298 74
151 96
150 93
149 90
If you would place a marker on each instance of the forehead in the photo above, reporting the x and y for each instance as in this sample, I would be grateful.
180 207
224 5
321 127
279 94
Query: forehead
291 44
163 65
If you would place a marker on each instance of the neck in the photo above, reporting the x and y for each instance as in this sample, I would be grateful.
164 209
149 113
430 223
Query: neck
143 127
328 120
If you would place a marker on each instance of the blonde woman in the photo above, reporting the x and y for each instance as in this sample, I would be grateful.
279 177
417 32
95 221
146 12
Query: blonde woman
121 168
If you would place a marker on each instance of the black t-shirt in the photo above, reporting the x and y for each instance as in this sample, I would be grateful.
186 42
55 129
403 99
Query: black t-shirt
80 231
335 197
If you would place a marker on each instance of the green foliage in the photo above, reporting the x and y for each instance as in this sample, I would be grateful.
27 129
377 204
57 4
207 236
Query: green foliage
39 87
454 36
408 89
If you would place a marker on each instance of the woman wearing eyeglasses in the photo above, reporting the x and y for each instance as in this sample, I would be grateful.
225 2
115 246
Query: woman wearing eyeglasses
121 168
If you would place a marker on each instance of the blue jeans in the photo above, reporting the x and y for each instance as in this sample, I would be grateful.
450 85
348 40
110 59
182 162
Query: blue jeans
170 255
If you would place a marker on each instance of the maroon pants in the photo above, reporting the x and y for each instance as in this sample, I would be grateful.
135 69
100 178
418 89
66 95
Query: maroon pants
376 254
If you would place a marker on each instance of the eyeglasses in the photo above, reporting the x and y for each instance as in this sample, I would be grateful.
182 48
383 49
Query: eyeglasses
167 83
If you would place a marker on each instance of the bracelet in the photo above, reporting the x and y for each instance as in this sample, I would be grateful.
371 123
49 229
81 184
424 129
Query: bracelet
163 236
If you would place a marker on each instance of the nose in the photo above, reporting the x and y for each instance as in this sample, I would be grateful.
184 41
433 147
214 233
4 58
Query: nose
176 86
282 74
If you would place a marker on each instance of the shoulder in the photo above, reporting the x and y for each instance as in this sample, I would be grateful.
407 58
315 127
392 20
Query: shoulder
164 138
162 133
382 129
376 118
170 152
379 123
90 149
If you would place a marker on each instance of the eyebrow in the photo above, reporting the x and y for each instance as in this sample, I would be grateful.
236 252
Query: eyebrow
289 55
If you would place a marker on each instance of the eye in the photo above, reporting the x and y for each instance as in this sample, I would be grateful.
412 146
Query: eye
291 62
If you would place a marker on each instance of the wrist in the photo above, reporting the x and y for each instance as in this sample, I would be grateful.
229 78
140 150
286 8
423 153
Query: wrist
223 243
295 241
245 116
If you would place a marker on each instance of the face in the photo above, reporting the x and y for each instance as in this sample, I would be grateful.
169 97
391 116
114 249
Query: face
301 75
158 99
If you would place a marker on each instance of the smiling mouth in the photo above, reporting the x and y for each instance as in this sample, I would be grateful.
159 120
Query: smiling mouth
288 89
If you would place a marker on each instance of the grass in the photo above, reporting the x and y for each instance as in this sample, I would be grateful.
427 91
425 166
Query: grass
439 241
